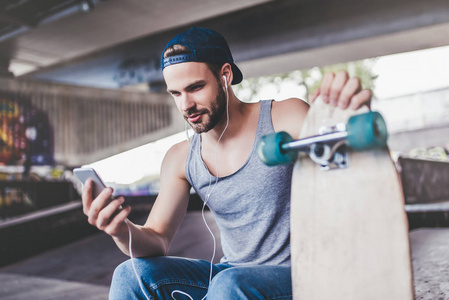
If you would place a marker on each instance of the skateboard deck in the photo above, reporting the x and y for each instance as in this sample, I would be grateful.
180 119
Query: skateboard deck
349 230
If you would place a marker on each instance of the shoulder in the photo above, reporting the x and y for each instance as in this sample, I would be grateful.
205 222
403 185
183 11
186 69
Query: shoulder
288 115
179 148
175 159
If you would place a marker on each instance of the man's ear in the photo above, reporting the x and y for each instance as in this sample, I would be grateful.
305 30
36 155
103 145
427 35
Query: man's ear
226 71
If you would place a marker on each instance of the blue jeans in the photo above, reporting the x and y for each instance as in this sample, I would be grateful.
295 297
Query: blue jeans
169 278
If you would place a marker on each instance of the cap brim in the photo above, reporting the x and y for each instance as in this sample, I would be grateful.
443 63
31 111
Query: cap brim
237 74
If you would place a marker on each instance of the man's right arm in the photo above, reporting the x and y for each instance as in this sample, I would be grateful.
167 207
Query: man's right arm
167 213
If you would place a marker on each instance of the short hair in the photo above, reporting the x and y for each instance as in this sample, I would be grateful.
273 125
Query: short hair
177 49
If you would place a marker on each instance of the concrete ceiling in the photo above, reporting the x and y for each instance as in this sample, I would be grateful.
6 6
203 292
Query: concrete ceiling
66 30
116 43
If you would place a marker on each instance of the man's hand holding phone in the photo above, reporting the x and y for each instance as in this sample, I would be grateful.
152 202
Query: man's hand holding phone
102 210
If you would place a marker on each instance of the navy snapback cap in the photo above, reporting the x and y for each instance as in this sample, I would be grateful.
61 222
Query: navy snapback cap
206 46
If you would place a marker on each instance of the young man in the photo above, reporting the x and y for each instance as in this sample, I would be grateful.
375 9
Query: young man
250 201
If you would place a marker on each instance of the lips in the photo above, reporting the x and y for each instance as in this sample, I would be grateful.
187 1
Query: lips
194 118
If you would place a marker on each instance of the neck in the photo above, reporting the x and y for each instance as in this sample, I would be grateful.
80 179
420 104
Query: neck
227 128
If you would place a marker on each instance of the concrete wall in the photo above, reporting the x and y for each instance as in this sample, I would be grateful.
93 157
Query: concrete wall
90 124
416 121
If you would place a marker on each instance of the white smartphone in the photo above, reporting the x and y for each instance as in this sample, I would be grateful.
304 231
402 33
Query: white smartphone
85 173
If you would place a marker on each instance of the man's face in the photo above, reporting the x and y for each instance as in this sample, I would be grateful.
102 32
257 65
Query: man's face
198 94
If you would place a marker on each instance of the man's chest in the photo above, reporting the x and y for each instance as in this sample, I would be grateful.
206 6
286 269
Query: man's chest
226 160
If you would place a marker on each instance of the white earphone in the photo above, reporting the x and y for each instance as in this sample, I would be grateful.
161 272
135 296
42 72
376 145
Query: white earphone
226 81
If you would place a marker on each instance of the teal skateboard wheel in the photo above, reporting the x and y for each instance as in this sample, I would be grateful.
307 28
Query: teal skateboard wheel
270 152
367 131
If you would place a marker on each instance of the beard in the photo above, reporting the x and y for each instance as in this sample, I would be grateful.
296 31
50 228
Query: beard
215 112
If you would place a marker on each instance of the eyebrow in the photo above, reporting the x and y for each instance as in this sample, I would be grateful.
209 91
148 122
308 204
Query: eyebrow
190 86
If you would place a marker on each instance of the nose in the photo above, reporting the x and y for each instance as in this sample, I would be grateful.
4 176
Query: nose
187 103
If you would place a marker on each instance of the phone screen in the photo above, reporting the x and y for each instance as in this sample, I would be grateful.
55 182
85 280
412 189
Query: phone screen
85 173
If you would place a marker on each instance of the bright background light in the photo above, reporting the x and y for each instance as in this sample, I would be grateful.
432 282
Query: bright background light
398 74
412 72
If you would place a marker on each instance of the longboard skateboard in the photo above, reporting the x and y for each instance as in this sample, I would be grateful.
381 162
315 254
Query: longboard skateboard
349 230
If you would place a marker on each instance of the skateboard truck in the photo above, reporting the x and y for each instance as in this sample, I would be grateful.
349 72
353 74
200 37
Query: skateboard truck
330 147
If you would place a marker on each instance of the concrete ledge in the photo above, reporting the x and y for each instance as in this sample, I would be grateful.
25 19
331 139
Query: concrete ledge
40 231
427 207
41 214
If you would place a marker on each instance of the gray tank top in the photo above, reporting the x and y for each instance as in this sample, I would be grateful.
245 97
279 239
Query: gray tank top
251 206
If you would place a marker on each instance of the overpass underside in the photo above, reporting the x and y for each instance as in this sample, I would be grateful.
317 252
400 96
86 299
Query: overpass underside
269 37
275 36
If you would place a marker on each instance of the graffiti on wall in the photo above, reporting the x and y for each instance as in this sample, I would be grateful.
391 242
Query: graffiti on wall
26 136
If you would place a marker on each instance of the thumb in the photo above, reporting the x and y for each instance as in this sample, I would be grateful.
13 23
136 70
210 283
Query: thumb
314 95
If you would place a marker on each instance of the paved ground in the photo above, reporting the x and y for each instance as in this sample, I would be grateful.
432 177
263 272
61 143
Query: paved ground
83 270
15 287
430 251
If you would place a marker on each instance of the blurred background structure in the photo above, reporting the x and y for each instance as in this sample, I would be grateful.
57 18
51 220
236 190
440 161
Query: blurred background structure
80 84
81 62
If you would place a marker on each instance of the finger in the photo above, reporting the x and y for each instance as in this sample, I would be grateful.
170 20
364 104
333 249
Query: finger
118 221
337 86
325 87
98 204
106 214
314 95
360 99
351 88
86 196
